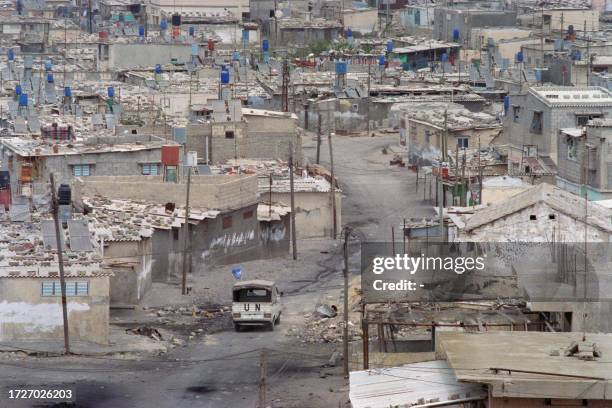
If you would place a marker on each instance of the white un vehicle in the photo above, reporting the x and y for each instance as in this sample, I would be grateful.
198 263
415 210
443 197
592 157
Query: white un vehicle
256 303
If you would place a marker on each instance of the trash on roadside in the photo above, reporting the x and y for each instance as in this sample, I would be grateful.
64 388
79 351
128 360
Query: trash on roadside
146 331
327 310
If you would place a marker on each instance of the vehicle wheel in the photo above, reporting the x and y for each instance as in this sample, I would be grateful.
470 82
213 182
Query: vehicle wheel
237 327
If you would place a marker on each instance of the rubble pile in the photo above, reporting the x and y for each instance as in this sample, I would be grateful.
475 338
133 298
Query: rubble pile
319 328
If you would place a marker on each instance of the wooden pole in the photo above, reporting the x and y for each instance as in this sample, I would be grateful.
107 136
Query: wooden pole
60 261
332 190
293 231
263 373
186 234
347 233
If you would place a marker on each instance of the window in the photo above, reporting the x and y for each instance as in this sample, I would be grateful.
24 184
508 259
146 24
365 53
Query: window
150 169
81 170
571 148
73 288
247 214
533 217
551 216
516 113
229 134
462 142
582 120
227 222
536 122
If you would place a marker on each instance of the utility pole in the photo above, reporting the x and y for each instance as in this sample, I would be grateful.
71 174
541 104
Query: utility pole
186 233
347 233
263 373
285 86
319 137
293 232
332 189
60 261
479 175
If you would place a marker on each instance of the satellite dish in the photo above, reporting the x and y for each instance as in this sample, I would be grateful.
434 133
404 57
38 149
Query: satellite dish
278 14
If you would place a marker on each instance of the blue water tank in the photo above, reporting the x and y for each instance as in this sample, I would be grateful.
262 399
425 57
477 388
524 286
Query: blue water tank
444 57
110 92
381 60
158 69
10 54
48 65
577 55
17 89
191 31
68 92
506 104
163 25
538 75
195 49
50 78
235 56
349 32
456 34
141 31
389 46
341 67
23 99
225 77
245 35
265 45
519 56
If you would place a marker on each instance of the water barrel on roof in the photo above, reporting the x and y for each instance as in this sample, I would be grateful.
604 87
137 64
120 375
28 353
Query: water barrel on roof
110 92
163 24
50 78
349 32
5 179
158 69
245 35
225 77
341 67
10 54
64 194
265 45
23 99
191 31
381 60
141 31
506 104
519 57
389 46
456 34
17 89
68 92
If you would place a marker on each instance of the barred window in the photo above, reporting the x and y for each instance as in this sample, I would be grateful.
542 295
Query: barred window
73 288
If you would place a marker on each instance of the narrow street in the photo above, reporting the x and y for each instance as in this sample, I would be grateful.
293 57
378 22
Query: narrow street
222 369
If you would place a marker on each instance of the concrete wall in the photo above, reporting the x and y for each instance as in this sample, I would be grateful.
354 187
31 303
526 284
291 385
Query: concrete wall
447 19
259 138
135 55
313 213
572 17
26 315
213 192
362 21
131 263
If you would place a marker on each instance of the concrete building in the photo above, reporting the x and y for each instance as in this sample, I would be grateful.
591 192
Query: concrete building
530 216
252 134
30 301
465 19
534 118
301 33
558 19
586 150
425 131
360 20
531 369
416 17
223 223
30 161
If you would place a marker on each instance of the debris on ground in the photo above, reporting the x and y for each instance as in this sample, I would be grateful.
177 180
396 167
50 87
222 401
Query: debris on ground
147 331
327 310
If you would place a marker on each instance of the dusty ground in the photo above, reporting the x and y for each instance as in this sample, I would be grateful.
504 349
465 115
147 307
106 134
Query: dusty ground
217 367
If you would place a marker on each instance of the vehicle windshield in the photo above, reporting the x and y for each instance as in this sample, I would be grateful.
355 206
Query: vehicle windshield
252 295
